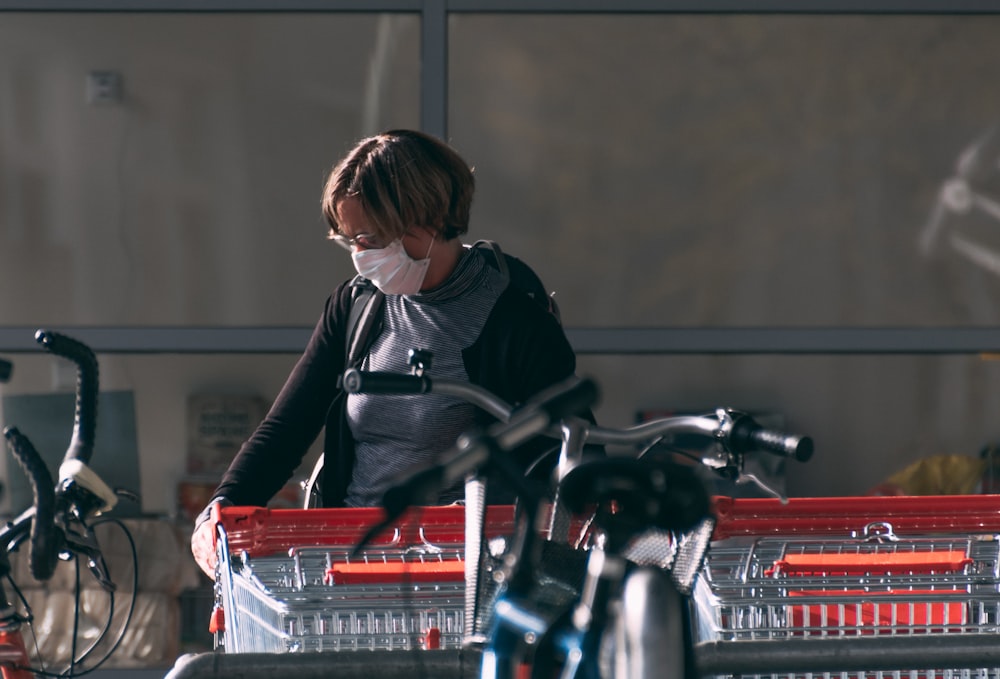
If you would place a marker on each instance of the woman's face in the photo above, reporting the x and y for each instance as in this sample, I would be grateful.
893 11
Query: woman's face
357 233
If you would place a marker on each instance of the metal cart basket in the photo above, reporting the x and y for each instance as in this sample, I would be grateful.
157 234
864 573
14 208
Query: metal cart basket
287 580
925 568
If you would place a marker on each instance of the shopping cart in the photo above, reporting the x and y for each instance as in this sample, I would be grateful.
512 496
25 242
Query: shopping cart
922 568
287 581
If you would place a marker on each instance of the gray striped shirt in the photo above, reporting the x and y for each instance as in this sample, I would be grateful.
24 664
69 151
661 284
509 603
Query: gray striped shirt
393 432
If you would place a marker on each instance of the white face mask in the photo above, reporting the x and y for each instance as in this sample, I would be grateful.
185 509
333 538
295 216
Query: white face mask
392 270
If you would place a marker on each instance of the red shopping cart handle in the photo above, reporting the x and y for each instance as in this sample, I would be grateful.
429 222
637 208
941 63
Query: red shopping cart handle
373 573
264 532
880 563
907 514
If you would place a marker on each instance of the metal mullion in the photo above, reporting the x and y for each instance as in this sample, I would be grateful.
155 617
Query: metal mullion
515 6
434 68
733 6
195 6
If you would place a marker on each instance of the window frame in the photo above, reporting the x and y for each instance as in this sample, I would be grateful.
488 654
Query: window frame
434 15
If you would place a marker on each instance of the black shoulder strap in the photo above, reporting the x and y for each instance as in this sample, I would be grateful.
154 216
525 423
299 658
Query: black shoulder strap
366 302
499 260
519 274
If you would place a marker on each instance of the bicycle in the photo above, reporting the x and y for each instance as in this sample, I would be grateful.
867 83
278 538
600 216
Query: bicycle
59 525
629 617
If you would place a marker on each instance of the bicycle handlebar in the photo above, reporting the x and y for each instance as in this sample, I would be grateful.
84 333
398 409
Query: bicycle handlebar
748 435
364 382
356 381
43 547
80 490
81 445
472 453
739 431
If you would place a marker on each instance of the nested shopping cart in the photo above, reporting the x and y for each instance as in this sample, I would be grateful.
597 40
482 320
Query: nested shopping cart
288 580
855 575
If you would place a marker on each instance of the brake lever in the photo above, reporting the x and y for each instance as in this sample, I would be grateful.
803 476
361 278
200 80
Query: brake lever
85 544
85 489
743 479
718 457
722 461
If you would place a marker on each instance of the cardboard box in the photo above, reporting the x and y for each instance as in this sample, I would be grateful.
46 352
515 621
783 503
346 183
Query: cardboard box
218 424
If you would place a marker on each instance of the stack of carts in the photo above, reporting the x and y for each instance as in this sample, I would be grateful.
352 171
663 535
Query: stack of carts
288 582
888 581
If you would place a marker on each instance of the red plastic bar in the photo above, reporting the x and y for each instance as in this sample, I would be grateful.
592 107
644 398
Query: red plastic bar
261 532
908 514
878 563
397 572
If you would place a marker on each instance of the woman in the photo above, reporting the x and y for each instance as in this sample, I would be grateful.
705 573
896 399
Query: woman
400 202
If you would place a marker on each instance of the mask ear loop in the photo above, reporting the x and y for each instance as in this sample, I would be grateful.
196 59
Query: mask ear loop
430 247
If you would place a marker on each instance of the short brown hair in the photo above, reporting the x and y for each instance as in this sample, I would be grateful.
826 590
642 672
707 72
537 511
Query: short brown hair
403 178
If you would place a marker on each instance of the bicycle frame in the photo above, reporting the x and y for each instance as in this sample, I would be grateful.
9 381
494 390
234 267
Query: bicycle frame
620 603
523 635
14 659
57 521
13 654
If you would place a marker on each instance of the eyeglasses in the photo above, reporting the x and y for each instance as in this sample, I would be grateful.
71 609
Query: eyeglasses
365 241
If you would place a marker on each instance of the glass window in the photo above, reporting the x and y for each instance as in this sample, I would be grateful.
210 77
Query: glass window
172 421
870 417
729 170
191 196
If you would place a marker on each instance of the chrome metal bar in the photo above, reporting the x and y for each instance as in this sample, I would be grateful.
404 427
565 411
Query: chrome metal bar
849 654
347 665
547 6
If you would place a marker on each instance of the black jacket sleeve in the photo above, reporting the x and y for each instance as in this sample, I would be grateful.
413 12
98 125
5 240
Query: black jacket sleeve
267 460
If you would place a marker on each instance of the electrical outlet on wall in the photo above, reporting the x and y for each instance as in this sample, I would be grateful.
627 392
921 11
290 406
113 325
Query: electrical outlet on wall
104 87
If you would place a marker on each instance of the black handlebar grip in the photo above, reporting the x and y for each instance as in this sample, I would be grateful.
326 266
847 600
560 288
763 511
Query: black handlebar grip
6 368
81 446
748 435
363 382
43 551
798 447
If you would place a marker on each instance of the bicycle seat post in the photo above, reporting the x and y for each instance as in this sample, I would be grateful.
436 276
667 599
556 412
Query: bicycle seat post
570 454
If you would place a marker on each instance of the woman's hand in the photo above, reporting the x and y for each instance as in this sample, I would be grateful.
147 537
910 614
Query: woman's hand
203 543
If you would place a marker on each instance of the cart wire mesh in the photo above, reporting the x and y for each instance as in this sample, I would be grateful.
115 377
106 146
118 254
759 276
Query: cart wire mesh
818 583
288 581
318 599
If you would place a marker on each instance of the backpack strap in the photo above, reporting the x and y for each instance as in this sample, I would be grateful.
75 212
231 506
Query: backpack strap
366 302
519 274
499 259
